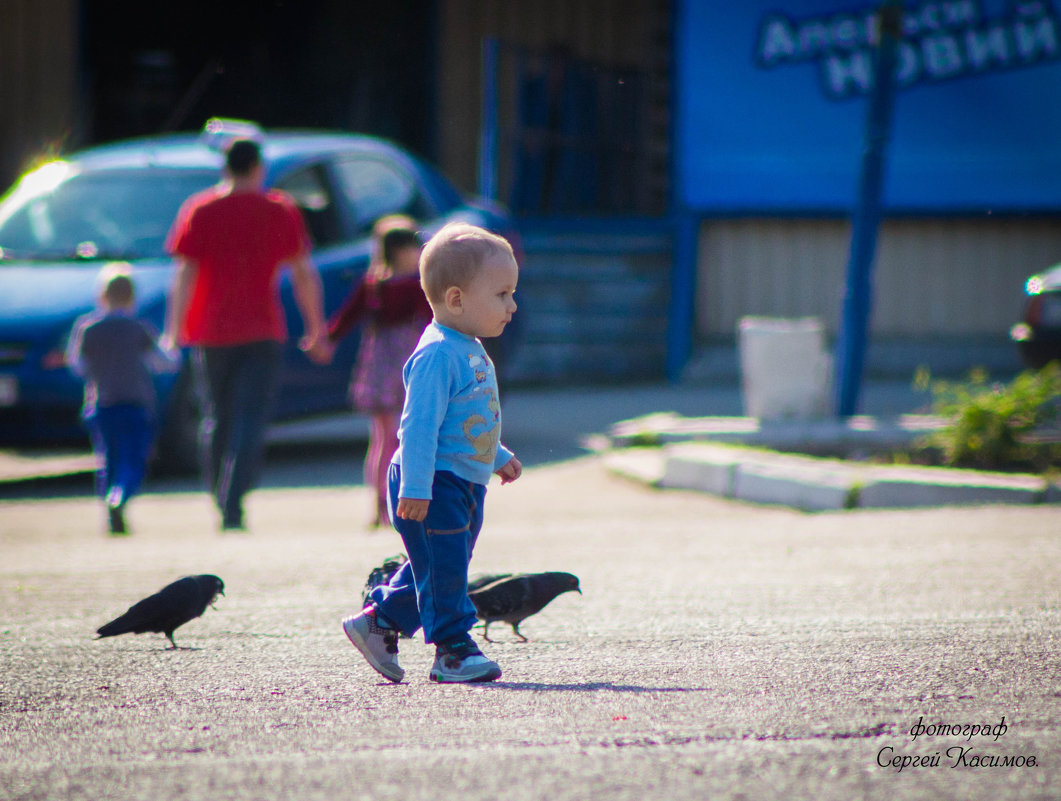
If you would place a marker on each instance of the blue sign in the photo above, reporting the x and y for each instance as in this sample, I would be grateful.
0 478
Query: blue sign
772 105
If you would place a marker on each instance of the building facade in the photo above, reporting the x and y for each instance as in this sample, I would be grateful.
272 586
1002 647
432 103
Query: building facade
772 103
738 126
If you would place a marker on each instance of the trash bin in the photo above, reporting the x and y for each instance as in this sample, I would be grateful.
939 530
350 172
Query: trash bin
785 370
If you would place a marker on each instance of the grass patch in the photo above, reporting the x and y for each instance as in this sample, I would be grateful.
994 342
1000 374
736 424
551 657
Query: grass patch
994 425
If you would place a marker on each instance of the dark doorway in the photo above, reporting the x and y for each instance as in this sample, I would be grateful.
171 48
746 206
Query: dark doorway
357 66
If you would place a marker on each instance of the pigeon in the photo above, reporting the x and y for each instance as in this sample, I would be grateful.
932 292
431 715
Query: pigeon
382 574
477 581
515 597
169 608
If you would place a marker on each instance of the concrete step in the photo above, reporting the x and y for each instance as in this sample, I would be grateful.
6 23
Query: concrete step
594 301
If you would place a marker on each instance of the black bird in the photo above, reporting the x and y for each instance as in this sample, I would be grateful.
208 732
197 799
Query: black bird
477 581
169 608
382 574
515 597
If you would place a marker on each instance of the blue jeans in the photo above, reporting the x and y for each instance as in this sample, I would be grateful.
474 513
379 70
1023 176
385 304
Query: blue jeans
431 589
237 384
122 435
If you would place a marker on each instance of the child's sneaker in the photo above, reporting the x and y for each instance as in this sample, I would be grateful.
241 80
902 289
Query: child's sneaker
462 662
116 519
378 645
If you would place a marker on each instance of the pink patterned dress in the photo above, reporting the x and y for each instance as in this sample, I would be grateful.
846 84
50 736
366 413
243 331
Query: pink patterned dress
394 313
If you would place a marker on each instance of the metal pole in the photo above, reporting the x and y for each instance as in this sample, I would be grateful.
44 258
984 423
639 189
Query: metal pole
858 294
680 319
488 129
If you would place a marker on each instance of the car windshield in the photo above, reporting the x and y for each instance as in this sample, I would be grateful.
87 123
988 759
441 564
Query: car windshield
106 214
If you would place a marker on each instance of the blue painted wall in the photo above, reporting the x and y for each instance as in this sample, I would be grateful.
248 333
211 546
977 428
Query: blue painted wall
771 105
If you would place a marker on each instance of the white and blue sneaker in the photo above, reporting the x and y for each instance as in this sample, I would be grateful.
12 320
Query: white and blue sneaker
462 662
377 644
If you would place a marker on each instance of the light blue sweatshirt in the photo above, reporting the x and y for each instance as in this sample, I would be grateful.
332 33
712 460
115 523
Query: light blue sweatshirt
452 415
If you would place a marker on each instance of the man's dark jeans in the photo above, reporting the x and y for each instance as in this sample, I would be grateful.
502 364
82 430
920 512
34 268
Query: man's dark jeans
237 384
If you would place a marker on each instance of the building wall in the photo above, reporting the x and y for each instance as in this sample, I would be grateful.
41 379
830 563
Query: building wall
630 34
38 76
933 277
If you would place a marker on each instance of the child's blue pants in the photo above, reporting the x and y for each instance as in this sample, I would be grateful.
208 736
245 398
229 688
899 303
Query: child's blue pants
431 589
123 435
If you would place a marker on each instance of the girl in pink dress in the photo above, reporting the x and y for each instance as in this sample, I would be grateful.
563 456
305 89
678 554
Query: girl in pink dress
391 308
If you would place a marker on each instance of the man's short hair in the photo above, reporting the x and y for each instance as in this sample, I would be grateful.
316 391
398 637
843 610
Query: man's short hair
242 156
454 255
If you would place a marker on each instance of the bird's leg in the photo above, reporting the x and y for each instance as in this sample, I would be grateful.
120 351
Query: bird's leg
515 629
486 628
173 645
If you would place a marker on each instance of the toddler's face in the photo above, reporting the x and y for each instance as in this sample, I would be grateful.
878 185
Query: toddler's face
488 303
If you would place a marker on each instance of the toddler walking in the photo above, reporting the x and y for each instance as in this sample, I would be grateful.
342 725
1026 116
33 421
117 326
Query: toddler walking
116 353
448 447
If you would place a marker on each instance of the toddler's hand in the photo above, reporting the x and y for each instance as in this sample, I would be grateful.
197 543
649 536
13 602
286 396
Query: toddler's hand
413 508
511 471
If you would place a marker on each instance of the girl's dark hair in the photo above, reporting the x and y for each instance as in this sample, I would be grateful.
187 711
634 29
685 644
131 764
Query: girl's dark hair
396 239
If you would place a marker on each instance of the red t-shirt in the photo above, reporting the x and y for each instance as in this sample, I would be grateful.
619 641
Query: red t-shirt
240 241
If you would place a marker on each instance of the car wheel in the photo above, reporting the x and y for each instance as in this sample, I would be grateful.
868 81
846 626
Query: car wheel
177 452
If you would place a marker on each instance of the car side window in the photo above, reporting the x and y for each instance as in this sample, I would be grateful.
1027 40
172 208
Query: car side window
310 191
376 188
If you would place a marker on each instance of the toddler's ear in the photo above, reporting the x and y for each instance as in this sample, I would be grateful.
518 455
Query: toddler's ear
454 300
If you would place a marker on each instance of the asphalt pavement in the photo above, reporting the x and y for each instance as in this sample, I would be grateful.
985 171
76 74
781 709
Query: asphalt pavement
720 649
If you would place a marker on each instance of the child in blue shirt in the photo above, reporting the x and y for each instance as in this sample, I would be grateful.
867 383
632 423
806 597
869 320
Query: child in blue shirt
449 445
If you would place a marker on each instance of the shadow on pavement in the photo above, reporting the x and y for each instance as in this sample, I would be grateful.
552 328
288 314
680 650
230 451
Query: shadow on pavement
592 687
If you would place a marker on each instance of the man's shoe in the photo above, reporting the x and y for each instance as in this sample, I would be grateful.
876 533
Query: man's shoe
378 645
462 662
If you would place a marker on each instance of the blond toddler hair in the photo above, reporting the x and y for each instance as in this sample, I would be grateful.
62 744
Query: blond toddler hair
454 256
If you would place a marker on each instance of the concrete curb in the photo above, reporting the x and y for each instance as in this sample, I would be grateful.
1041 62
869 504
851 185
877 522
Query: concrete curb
810 483
819 436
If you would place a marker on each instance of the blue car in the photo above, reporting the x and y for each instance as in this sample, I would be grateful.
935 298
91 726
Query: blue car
60 223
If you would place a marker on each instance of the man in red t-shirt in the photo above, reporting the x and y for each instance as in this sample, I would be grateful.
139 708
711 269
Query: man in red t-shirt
231 242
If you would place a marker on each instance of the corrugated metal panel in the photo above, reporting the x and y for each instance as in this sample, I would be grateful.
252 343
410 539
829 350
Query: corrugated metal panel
946 277
38 59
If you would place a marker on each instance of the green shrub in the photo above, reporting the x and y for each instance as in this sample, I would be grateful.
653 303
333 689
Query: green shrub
994 426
